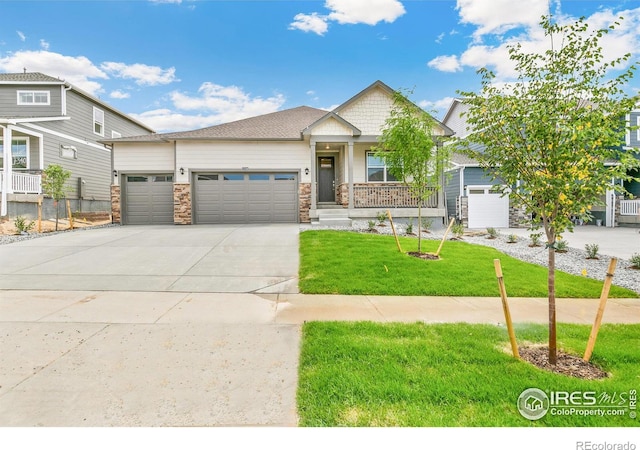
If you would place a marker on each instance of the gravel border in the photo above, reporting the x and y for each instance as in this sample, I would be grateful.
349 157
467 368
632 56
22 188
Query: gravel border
574 261
11 238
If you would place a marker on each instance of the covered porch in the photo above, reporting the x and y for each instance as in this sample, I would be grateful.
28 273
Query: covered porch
349 182
21 163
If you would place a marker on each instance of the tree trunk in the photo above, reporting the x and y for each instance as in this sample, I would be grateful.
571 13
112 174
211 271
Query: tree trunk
55 204
419 229
553 355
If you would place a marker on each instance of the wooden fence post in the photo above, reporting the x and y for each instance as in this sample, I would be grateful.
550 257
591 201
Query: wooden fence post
505 308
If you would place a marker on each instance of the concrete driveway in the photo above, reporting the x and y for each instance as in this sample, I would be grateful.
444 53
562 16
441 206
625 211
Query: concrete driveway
205 258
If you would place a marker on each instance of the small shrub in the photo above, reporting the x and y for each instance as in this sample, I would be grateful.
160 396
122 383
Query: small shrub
458 230
410 226
372 225
492 232
592 250
22 225
562 246
535 239
635 260
382 217
427 223
512 239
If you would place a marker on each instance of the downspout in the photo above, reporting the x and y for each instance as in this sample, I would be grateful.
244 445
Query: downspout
461 193
7 185
63 104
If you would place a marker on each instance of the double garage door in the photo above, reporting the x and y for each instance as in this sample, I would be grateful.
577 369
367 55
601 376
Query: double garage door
216 198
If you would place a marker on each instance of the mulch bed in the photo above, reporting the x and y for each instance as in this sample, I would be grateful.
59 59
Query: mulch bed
567 364
429 256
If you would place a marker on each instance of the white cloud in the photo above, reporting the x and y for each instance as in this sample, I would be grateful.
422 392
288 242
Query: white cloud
214 104
21 35
44 45
310 22
499 16
522 25
119 94
142 74
449 63
77 70
439 107
369 12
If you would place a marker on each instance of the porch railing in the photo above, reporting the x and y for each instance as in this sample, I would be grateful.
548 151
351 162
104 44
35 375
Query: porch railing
23 183
629 207
390 196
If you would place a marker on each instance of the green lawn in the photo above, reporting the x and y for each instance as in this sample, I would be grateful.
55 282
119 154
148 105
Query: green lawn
337 262
415 375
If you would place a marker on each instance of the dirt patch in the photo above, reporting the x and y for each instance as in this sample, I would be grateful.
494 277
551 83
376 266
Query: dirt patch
567 364
7 227
426 256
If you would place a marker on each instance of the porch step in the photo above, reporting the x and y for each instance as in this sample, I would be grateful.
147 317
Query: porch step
333 218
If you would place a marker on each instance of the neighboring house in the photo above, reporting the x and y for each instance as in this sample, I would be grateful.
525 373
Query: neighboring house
49 121
629 209
470 198
469 188
298 165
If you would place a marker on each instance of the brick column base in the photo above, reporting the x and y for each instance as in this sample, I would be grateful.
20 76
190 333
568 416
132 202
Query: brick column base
116 204
182 203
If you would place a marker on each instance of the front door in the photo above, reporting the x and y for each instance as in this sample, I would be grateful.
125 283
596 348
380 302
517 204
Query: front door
326 179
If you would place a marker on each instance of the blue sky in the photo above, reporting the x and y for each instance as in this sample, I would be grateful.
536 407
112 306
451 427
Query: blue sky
187 64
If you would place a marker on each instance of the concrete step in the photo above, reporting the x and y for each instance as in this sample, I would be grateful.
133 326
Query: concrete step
332 222
333 213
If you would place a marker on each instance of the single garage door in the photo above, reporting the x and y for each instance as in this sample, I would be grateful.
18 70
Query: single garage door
487 208
246 197
148 199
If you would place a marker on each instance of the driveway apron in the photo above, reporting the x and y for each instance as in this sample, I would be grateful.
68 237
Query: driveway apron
240 258
149 326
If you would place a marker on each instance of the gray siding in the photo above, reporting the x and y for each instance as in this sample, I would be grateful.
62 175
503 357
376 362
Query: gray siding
9 101
452 190
634 140
476 176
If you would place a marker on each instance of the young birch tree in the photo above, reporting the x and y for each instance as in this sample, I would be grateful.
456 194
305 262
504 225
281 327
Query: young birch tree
555 135
411 151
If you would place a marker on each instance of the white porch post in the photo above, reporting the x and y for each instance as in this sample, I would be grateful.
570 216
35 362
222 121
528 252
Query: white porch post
350 173
7 184
314 184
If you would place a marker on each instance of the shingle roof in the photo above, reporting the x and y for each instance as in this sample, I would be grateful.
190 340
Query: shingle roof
29 77
280 125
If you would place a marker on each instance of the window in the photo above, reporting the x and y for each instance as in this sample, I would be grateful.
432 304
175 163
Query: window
258 177
162 178
233 177
207 177
19 153
98 121
377 169
137 179
37 98
284 177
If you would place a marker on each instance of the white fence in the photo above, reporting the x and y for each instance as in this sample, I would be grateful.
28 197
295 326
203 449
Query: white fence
629 207
23 183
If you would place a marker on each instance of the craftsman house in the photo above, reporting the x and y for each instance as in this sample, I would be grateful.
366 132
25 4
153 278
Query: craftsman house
298 165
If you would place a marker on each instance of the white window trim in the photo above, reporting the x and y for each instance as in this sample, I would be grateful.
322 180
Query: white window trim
26 140
34 103
386 169
96 121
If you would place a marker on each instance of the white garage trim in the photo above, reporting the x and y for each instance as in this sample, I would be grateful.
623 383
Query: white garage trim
487 208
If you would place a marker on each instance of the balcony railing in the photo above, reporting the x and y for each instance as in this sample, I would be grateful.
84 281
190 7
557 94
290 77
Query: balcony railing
390 196
23 183
629 207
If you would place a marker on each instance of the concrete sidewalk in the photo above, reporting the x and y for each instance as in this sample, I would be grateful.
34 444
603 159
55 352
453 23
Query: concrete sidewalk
99 358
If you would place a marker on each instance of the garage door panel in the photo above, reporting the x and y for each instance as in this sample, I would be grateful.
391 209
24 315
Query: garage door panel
246 198
148 199
488 210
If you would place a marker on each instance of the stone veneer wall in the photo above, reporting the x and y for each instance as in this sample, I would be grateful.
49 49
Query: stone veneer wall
342 192
116 204
517 217
182 203
463 207
304 201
